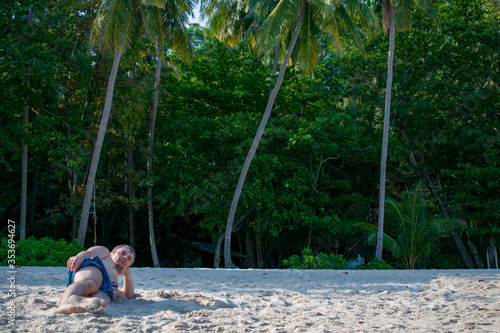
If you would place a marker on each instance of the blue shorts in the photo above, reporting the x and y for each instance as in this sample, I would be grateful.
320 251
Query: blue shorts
106 286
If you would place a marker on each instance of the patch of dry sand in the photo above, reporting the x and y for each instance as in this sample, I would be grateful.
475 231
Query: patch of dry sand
208 300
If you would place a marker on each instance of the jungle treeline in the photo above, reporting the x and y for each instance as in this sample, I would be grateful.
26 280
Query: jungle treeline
315 177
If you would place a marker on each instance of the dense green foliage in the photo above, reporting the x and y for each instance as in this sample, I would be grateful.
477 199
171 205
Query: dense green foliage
42 252
320 261
375 264
316 172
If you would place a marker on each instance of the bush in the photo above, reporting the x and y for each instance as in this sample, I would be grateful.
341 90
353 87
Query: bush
43 252
321 261
375 264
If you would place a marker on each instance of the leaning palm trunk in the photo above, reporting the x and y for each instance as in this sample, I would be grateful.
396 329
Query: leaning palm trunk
256 141
152 241
385 138
131 197
24 162
84 219
24 176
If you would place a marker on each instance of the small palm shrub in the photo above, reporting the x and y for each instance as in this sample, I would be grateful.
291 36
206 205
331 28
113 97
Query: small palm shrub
413 231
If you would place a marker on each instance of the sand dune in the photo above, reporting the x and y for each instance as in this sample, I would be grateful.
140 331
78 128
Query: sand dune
207 300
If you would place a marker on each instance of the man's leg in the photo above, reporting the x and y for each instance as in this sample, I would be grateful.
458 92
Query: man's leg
86 284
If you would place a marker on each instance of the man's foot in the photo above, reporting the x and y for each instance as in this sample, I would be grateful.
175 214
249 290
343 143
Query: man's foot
89 304
69 309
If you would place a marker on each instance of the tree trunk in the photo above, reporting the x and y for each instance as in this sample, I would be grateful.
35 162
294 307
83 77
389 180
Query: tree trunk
256 141
47 191
441 200
385 138
33 195
478 263
276 58
258 248
467 260
220 239
24 171
492 254
152 242
249 248
73 189
84 219
386 15
131 198
24 161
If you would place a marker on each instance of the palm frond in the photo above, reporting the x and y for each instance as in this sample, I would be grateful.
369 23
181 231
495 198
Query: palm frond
364 15
428 7
167 27
329 23
308 46
390 244
157 3
403 14
113 26
277 22
352 29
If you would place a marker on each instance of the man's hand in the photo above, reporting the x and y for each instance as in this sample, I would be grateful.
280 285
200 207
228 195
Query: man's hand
75 262
127 273
128 284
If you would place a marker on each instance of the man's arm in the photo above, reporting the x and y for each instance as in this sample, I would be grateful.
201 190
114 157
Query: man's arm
127 291
74 262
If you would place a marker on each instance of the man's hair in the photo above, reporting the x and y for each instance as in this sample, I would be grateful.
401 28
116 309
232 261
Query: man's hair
128 248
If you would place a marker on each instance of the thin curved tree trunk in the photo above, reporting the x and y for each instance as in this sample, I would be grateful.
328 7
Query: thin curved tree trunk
385 137
276 57
24 161
33 194
256 141
152 241
258 248
466 258
218 245
492 254
84 219
130 189
249 248
24 173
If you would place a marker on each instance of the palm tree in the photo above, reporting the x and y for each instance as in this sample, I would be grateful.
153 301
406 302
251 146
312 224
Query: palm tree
416 230
113 28
24 161
167 27
227 20
290 16
393 12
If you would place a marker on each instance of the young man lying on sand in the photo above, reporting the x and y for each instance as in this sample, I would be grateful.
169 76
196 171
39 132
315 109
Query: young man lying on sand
92 280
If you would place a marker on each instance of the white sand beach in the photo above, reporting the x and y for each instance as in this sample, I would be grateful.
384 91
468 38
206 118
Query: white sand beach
208 300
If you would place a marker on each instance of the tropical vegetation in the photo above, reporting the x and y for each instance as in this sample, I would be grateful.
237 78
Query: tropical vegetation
173 174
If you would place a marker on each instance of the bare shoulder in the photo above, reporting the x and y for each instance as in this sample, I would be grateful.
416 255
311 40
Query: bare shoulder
99 251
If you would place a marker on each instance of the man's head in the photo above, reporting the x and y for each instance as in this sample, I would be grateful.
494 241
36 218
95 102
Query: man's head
123 256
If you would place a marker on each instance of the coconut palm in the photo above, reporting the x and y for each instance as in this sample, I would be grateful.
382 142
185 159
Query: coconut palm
114 26
227 20
414 230
288 21
24 161
394 12
166 26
